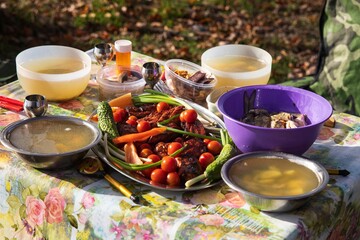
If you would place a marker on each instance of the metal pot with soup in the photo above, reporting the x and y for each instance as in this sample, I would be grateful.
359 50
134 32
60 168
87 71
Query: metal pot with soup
274 181
51 142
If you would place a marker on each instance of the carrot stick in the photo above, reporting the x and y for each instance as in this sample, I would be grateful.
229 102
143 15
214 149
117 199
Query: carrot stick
139 137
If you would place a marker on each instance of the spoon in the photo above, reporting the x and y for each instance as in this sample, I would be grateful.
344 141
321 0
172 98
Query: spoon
93 166
35 105
151 72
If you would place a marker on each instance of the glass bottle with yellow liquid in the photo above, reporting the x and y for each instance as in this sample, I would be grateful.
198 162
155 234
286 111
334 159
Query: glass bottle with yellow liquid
123 53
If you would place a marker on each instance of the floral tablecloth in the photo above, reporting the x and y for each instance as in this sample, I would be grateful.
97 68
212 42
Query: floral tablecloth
38 204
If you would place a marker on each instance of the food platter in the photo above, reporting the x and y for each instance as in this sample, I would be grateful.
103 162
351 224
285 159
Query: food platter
208 117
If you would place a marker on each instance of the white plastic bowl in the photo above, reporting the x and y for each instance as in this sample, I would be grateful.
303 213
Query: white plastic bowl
238 77
55 87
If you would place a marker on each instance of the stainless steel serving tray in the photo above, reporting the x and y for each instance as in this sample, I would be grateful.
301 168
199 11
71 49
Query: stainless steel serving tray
209 118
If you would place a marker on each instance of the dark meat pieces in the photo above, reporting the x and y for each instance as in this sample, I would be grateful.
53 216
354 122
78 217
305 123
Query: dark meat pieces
154 117
126 129
258 117
189 168
195 147
140 112
167 136
196 127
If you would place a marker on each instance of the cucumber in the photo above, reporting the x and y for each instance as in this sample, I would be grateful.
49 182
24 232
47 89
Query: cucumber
213 170
106 121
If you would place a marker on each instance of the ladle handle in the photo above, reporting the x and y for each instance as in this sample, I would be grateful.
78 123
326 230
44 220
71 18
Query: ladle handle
122 188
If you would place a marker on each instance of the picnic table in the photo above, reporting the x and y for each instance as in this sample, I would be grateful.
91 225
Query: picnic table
64 204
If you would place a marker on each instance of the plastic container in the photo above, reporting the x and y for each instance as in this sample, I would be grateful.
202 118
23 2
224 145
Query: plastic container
213 97
109 85
241 76
57 72
185 88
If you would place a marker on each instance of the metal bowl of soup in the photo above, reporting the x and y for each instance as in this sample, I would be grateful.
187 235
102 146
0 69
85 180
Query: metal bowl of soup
51 142
274 181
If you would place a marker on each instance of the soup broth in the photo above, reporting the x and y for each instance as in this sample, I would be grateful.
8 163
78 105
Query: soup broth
55 65
236 64
273 176
44 136
70 87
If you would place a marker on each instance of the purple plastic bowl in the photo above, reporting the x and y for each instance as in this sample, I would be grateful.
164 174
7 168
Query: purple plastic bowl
274 98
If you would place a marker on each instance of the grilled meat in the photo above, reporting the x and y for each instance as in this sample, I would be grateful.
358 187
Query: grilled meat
161 149
196 127
167 136
189 168
155 117
126 129
195 147
142 111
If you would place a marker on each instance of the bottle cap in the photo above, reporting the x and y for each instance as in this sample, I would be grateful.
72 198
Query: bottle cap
123 46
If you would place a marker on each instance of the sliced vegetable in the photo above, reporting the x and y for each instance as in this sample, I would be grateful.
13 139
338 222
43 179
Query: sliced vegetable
122 101
121 163
139 137
131 155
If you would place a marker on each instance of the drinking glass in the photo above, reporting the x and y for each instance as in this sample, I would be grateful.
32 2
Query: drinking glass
103 53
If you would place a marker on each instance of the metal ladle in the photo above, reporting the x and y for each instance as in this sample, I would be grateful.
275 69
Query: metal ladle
35 105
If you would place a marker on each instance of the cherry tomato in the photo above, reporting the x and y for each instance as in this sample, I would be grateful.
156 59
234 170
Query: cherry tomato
168 164
143 126
181 117
132 120
147 172
119 115
154 157
173 179
132 117
205 159
206 140
214 147
161 106
158 176
173 147
145 152
144 145
189 115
